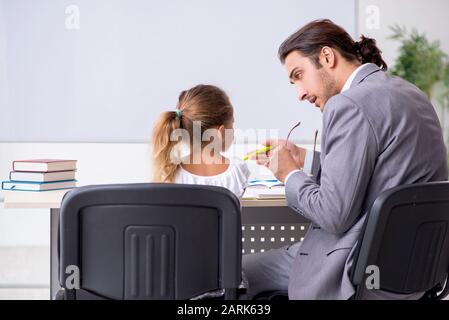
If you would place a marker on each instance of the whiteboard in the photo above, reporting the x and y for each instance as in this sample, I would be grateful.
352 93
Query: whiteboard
109 80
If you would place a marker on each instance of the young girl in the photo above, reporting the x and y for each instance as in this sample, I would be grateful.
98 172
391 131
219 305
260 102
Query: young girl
205 115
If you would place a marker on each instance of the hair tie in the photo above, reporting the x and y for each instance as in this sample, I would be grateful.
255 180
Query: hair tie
357 46
178 113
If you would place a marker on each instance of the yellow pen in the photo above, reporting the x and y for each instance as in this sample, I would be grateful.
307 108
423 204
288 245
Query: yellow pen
258 151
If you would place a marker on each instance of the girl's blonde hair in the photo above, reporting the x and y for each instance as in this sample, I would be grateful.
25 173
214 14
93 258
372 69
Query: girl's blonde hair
204 103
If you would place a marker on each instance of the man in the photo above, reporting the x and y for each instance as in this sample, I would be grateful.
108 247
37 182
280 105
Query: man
378 132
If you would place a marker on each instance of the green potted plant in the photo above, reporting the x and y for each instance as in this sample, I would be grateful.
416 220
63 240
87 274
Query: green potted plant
424 64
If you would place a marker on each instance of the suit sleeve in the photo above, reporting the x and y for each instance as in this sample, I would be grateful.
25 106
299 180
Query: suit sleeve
347 163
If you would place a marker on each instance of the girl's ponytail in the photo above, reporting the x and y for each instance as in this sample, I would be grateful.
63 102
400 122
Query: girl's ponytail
164 167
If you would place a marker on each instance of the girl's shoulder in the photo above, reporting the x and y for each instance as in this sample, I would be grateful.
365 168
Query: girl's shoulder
235 178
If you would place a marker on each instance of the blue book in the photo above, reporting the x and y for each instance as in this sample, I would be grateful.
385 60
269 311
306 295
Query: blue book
38 186
268 183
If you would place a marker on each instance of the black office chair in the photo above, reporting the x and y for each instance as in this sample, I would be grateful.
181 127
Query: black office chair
406 236
149 241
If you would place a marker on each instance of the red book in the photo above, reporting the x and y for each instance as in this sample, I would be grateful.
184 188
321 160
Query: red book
44 165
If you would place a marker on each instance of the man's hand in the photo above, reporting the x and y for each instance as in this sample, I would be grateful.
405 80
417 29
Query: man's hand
282 159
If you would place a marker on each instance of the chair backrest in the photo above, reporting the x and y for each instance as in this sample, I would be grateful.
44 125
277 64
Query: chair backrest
406 236
150 241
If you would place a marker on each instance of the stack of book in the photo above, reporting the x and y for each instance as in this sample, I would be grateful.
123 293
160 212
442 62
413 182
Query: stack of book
41 175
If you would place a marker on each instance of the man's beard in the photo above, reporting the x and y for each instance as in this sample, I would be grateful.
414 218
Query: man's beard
329 87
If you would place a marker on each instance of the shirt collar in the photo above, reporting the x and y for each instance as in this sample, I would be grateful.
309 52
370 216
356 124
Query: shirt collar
351 78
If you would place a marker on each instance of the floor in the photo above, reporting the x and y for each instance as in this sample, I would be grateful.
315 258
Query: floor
24 273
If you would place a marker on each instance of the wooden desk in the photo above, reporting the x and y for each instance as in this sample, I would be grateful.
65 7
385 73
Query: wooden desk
261 219
34 200
53 199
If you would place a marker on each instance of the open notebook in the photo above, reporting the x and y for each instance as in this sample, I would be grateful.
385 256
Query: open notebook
265 189
278 193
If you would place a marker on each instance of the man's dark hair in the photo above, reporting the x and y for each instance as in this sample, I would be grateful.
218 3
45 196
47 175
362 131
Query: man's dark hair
310 39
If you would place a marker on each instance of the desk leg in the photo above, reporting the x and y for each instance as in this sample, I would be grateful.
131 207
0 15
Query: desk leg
54 282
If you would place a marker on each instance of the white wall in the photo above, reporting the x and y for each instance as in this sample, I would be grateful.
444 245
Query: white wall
3 64
109 80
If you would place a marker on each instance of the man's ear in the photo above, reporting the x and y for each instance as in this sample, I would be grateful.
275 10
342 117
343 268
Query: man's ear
328 57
